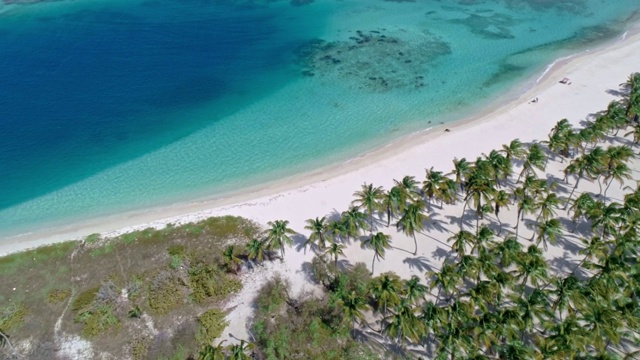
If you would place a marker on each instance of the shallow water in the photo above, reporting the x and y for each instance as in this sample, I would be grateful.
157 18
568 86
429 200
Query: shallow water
108 106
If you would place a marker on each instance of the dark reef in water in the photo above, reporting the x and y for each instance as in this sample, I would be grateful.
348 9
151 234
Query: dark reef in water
374 60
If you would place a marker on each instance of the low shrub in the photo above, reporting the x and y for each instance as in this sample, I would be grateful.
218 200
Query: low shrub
139 347
12 316
85 299
56 296
98 320
164 292
212 324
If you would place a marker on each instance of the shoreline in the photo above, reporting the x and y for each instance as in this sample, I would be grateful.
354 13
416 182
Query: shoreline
405 147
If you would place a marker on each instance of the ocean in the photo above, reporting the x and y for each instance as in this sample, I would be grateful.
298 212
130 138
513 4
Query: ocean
110 106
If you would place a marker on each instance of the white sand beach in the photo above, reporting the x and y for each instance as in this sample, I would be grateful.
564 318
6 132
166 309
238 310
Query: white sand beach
594 81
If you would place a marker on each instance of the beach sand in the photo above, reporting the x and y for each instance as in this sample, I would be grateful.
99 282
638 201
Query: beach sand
595 77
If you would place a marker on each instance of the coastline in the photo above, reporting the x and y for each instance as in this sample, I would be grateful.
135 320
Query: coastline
330 187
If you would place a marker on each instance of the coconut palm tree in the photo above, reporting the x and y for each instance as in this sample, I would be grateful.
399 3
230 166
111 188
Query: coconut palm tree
277 237
354 221
607 218
567 295
515 150
581 207
231 259
209 352
414 291
586 165
403 323
369 198
532 267
461 240
548 205
412 221
335 250
318 228
353 305
526 205
379 243
603 324
535 159
500 165
432 185
336 231
447 280
393 202
256 250
409 186
508 251
239 351
501 199
386 291
461 170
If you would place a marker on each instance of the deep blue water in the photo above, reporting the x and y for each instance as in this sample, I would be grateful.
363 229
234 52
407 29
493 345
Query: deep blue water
112 105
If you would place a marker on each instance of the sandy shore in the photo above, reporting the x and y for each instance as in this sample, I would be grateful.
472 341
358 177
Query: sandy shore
595 77
324 190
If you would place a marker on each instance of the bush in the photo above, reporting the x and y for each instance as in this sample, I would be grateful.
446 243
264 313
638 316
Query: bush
164 293
98 320
140 347
208 281
12 316
212 324
272 295
58 295
84 299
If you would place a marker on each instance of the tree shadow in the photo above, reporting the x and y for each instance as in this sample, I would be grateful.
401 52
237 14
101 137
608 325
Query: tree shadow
298 243
622 92
583 228
569 245
468 220
433 223
442 254
421 263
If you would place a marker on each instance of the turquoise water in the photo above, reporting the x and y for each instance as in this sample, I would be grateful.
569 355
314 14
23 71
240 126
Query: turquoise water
109 106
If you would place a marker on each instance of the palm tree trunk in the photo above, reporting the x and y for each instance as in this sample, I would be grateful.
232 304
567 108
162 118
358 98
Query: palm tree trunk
572 191
462 216
373 263
415 243
518 222
604 199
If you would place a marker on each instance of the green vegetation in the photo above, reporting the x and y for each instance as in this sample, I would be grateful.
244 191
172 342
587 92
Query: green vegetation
117 287
212 323
497 296
58 295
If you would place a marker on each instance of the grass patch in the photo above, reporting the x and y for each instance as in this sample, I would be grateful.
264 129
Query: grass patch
98 320
84 299
140 347
10 264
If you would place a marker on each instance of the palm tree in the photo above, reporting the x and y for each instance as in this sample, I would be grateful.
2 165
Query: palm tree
508 251
335 250
209 352
500 164
535 159
386 290
586 165
447 280
548 206
460 171
412 221
354 220
378 243
414 291
515 350
515 150
607 218
409 187
393 202
461 240
353 305
480 186
433 185
256 250
231 259
532 266
369 198
403 323
239 351
548 230
526 205
337 230
581 207
603 324
318 228
501 199
277 237
567 293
